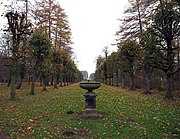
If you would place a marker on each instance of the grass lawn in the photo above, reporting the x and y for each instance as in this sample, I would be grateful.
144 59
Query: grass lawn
129 114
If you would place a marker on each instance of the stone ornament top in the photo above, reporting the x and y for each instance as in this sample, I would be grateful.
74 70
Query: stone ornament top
90 85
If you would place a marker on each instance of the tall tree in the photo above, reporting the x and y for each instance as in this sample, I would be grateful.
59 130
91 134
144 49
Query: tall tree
105 50
40 47
99 74
62 30
113 67
150 54
52 18
128 50
54 21
59 61
136 16
18 27
99 69
6 43
57 65
166 25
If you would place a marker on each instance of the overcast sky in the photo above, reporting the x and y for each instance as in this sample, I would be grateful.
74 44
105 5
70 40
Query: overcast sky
93 24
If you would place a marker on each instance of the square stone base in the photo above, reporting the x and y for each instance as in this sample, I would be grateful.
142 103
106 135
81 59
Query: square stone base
90 113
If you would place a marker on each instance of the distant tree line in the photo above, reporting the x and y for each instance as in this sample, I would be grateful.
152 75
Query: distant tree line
148 48
37 48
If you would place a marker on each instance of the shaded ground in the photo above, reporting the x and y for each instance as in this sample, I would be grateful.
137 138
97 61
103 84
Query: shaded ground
4 135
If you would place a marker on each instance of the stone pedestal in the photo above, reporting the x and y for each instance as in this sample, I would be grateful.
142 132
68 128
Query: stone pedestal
90 104
90 99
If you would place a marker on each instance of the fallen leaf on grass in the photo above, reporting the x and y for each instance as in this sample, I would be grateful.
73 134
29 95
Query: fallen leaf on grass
14 106
82 130
169 135
29 128
48 133
1 110
31 120
138 127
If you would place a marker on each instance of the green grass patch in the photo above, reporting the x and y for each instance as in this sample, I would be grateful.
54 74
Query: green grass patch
129 114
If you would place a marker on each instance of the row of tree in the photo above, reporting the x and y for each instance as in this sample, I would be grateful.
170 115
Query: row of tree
148 47
40 50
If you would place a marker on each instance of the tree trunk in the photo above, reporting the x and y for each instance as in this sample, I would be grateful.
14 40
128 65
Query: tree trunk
117 78
132 78
105 72
29 79
109 80
58 79
169 86
40 79
105 80
55 81
112 80
178 59
122 82
64 81
61 83
20 84
32 91
52 79
13 86
132 83
169 73
9 81
147 80
13 79
131 73
46 80
44 83
139 17
22 73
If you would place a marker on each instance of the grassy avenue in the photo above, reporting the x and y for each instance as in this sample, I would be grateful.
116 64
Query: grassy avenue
129 114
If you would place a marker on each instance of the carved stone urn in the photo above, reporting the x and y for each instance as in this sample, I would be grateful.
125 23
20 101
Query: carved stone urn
90 97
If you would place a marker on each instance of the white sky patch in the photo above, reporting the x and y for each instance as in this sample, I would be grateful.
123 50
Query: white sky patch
94 24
